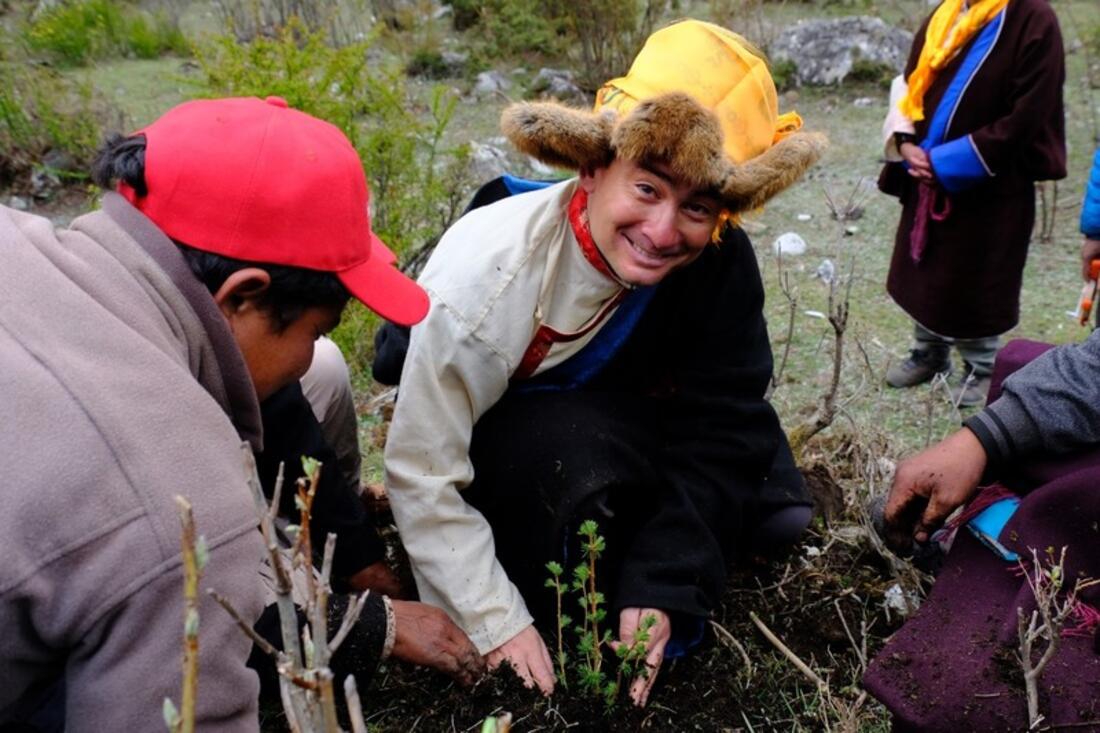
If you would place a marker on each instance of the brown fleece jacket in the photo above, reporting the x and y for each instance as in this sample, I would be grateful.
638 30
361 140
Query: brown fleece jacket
118 388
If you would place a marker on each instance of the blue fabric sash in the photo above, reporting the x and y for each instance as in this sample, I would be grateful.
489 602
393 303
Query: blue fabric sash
582 367
957 162
945 110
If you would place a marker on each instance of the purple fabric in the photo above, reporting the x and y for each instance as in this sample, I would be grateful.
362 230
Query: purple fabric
952 666
1011 357
927 196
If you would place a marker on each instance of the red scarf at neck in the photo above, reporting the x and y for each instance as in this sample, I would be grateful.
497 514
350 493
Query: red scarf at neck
578 218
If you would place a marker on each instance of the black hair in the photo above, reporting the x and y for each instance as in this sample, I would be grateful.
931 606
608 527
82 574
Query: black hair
292 289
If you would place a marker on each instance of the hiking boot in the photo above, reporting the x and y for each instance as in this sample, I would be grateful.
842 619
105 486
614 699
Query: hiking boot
919 368
971 390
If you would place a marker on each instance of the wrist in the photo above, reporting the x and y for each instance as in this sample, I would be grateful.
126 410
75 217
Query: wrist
904 138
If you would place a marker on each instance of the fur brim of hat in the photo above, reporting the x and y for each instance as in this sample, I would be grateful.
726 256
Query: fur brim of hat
672 129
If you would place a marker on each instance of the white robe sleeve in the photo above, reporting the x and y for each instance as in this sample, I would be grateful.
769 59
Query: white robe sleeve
451 377
895 121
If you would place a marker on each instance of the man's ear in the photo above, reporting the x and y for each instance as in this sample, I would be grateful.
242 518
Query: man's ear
240 289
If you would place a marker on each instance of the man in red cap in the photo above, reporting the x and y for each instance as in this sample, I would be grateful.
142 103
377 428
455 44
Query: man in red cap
135 348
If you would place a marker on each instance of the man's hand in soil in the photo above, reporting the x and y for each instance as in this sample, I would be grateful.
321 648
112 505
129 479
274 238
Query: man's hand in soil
931 485
379 578
920 167
1090 250
527 654
426 636
659 634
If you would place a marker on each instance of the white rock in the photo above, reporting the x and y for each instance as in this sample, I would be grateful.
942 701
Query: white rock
804 217
789 243
825 51
487 161
18 203
490 82
862 102
898 600
826 271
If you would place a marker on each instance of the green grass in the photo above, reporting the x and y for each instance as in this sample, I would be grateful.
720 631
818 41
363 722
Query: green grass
141 89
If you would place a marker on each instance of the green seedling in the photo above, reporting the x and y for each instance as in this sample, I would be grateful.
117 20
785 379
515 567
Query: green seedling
554 581
591 641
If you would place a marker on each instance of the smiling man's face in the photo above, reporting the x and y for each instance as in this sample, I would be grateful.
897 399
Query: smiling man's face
644 222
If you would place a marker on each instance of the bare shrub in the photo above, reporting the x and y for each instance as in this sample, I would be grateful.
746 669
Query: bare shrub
608 35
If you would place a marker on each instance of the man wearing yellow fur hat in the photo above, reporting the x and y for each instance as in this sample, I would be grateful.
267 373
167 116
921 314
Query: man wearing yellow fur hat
596 349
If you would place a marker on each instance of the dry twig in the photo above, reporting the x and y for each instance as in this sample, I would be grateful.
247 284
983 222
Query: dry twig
791 656
838 319
193 551
730 639
1046 622
305 681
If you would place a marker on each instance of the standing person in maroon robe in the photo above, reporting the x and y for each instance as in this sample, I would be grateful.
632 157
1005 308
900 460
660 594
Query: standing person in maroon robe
974 122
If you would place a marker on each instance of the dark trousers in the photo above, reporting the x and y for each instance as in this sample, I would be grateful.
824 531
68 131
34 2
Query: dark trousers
546 461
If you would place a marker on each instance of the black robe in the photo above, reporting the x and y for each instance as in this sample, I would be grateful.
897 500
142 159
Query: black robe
672 447
967 284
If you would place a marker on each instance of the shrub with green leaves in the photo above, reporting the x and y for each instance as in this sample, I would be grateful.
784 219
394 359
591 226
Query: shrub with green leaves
76 33
511 28
418 184
42 110
784 74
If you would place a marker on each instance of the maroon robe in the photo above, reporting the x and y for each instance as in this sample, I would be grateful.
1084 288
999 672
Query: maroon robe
967 283
952 667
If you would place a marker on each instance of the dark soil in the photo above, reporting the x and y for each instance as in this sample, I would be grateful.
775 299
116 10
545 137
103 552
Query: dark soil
801 599
710 689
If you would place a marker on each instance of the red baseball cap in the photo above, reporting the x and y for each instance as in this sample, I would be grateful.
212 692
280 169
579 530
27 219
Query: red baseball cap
255 180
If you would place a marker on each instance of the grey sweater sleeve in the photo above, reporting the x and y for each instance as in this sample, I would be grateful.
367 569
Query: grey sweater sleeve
1051 405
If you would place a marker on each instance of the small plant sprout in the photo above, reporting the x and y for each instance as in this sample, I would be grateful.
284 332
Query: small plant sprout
591 642
591 601
497 723
1047 622
554 581
632 656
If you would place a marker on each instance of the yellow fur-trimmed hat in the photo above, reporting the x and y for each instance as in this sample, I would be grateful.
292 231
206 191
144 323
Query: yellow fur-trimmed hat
698 98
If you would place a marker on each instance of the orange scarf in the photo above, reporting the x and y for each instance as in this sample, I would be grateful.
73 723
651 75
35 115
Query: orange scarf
947 33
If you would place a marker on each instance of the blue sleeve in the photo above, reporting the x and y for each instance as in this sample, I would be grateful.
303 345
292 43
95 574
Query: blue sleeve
1090 209
958 165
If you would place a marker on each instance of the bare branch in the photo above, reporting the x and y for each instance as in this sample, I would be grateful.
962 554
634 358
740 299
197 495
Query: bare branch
791 656
350 617
355 708
243 625
732 641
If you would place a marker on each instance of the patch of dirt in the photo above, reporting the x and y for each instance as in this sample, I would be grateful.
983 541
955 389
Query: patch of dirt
802 600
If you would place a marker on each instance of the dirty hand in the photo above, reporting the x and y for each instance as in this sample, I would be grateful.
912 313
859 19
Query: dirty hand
379 578
919 165
630 619
1090 250
527 654
426 636
931 485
